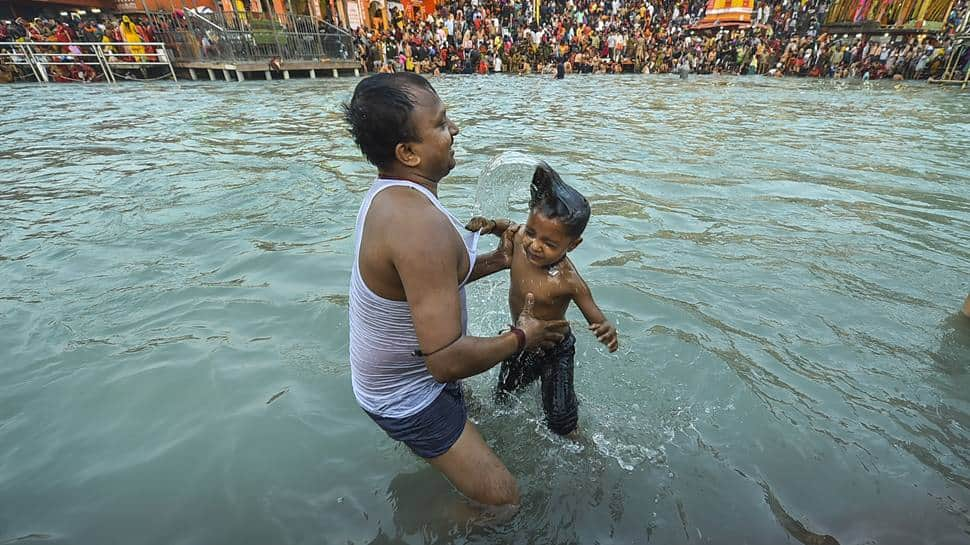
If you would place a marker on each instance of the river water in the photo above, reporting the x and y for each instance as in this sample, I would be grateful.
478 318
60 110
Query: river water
784 260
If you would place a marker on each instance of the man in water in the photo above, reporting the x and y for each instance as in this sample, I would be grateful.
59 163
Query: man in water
966 307
408 341
683 69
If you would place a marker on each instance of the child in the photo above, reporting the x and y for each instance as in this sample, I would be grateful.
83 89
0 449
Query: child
540 268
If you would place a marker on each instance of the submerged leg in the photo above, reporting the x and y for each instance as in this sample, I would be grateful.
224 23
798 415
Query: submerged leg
558 395
475 470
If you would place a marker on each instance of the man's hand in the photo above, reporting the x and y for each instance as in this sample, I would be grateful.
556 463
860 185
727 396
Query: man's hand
606 334
489 227
481 225
540 333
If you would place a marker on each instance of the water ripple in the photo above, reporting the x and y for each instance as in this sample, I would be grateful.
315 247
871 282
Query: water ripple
783 260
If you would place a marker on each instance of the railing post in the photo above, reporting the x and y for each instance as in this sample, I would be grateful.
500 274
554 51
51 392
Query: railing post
30 62
160 51
109 74
41 70
105 69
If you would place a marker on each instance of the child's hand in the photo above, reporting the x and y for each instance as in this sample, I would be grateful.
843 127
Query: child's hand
606 334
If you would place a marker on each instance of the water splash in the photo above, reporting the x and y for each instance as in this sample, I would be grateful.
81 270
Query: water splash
503 185
628 456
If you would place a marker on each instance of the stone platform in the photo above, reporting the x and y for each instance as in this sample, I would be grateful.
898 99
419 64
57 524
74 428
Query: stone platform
241 71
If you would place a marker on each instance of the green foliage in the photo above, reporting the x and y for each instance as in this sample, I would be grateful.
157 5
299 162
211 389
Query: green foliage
265 31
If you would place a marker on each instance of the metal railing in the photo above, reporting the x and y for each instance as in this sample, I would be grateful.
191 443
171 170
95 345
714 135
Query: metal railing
81 58
959 51
250 36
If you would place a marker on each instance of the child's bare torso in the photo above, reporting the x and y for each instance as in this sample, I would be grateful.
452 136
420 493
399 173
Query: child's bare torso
552 287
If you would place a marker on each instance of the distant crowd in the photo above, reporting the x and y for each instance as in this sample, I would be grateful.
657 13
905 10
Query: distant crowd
64 34
579 36
105 29
643 36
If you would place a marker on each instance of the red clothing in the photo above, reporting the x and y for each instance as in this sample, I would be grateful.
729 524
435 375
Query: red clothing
62 35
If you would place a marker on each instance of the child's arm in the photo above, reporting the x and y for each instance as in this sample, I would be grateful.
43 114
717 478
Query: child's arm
495 227
601 327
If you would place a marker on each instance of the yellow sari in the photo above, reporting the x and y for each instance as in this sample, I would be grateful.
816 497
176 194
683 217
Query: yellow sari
130 34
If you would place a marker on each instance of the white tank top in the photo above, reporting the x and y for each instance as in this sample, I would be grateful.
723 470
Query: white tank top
388 379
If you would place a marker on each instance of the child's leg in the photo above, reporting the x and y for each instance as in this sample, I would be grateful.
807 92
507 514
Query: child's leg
558 395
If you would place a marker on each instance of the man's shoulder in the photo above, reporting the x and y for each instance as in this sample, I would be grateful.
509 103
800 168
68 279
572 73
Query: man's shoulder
405 206
405 215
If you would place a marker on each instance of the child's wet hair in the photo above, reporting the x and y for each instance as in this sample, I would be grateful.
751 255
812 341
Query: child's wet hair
554 199
379 114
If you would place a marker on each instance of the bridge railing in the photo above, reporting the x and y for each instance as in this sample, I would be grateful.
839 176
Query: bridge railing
249 36
84 57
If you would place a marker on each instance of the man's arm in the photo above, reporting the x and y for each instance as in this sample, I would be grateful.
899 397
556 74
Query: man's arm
428 272
486 264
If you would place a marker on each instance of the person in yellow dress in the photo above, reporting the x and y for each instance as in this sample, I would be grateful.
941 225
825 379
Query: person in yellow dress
129 31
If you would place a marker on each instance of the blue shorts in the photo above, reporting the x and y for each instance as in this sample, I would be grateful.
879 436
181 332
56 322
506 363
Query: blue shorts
434 429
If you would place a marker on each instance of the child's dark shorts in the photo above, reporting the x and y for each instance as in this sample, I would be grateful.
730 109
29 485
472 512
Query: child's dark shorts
431 431
555 369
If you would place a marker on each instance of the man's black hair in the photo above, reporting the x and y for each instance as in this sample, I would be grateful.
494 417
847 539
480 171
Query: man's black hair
379 114
554 199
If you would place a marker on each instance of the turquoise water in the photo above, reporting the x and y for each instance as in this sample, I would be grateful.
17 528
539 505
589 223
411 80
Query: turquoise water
784 260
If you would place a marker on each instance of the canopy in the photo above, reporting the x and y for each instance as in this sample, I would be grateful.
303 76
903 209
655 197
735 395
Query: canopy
726 13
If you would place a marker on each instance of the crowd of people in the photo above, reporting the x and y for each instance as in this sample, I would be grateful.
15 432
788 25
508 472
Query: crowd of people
646 36
785 38
106 29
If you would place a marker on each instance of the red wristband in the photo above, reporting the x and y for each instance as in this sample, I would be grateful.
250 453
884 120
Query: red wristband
520 337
